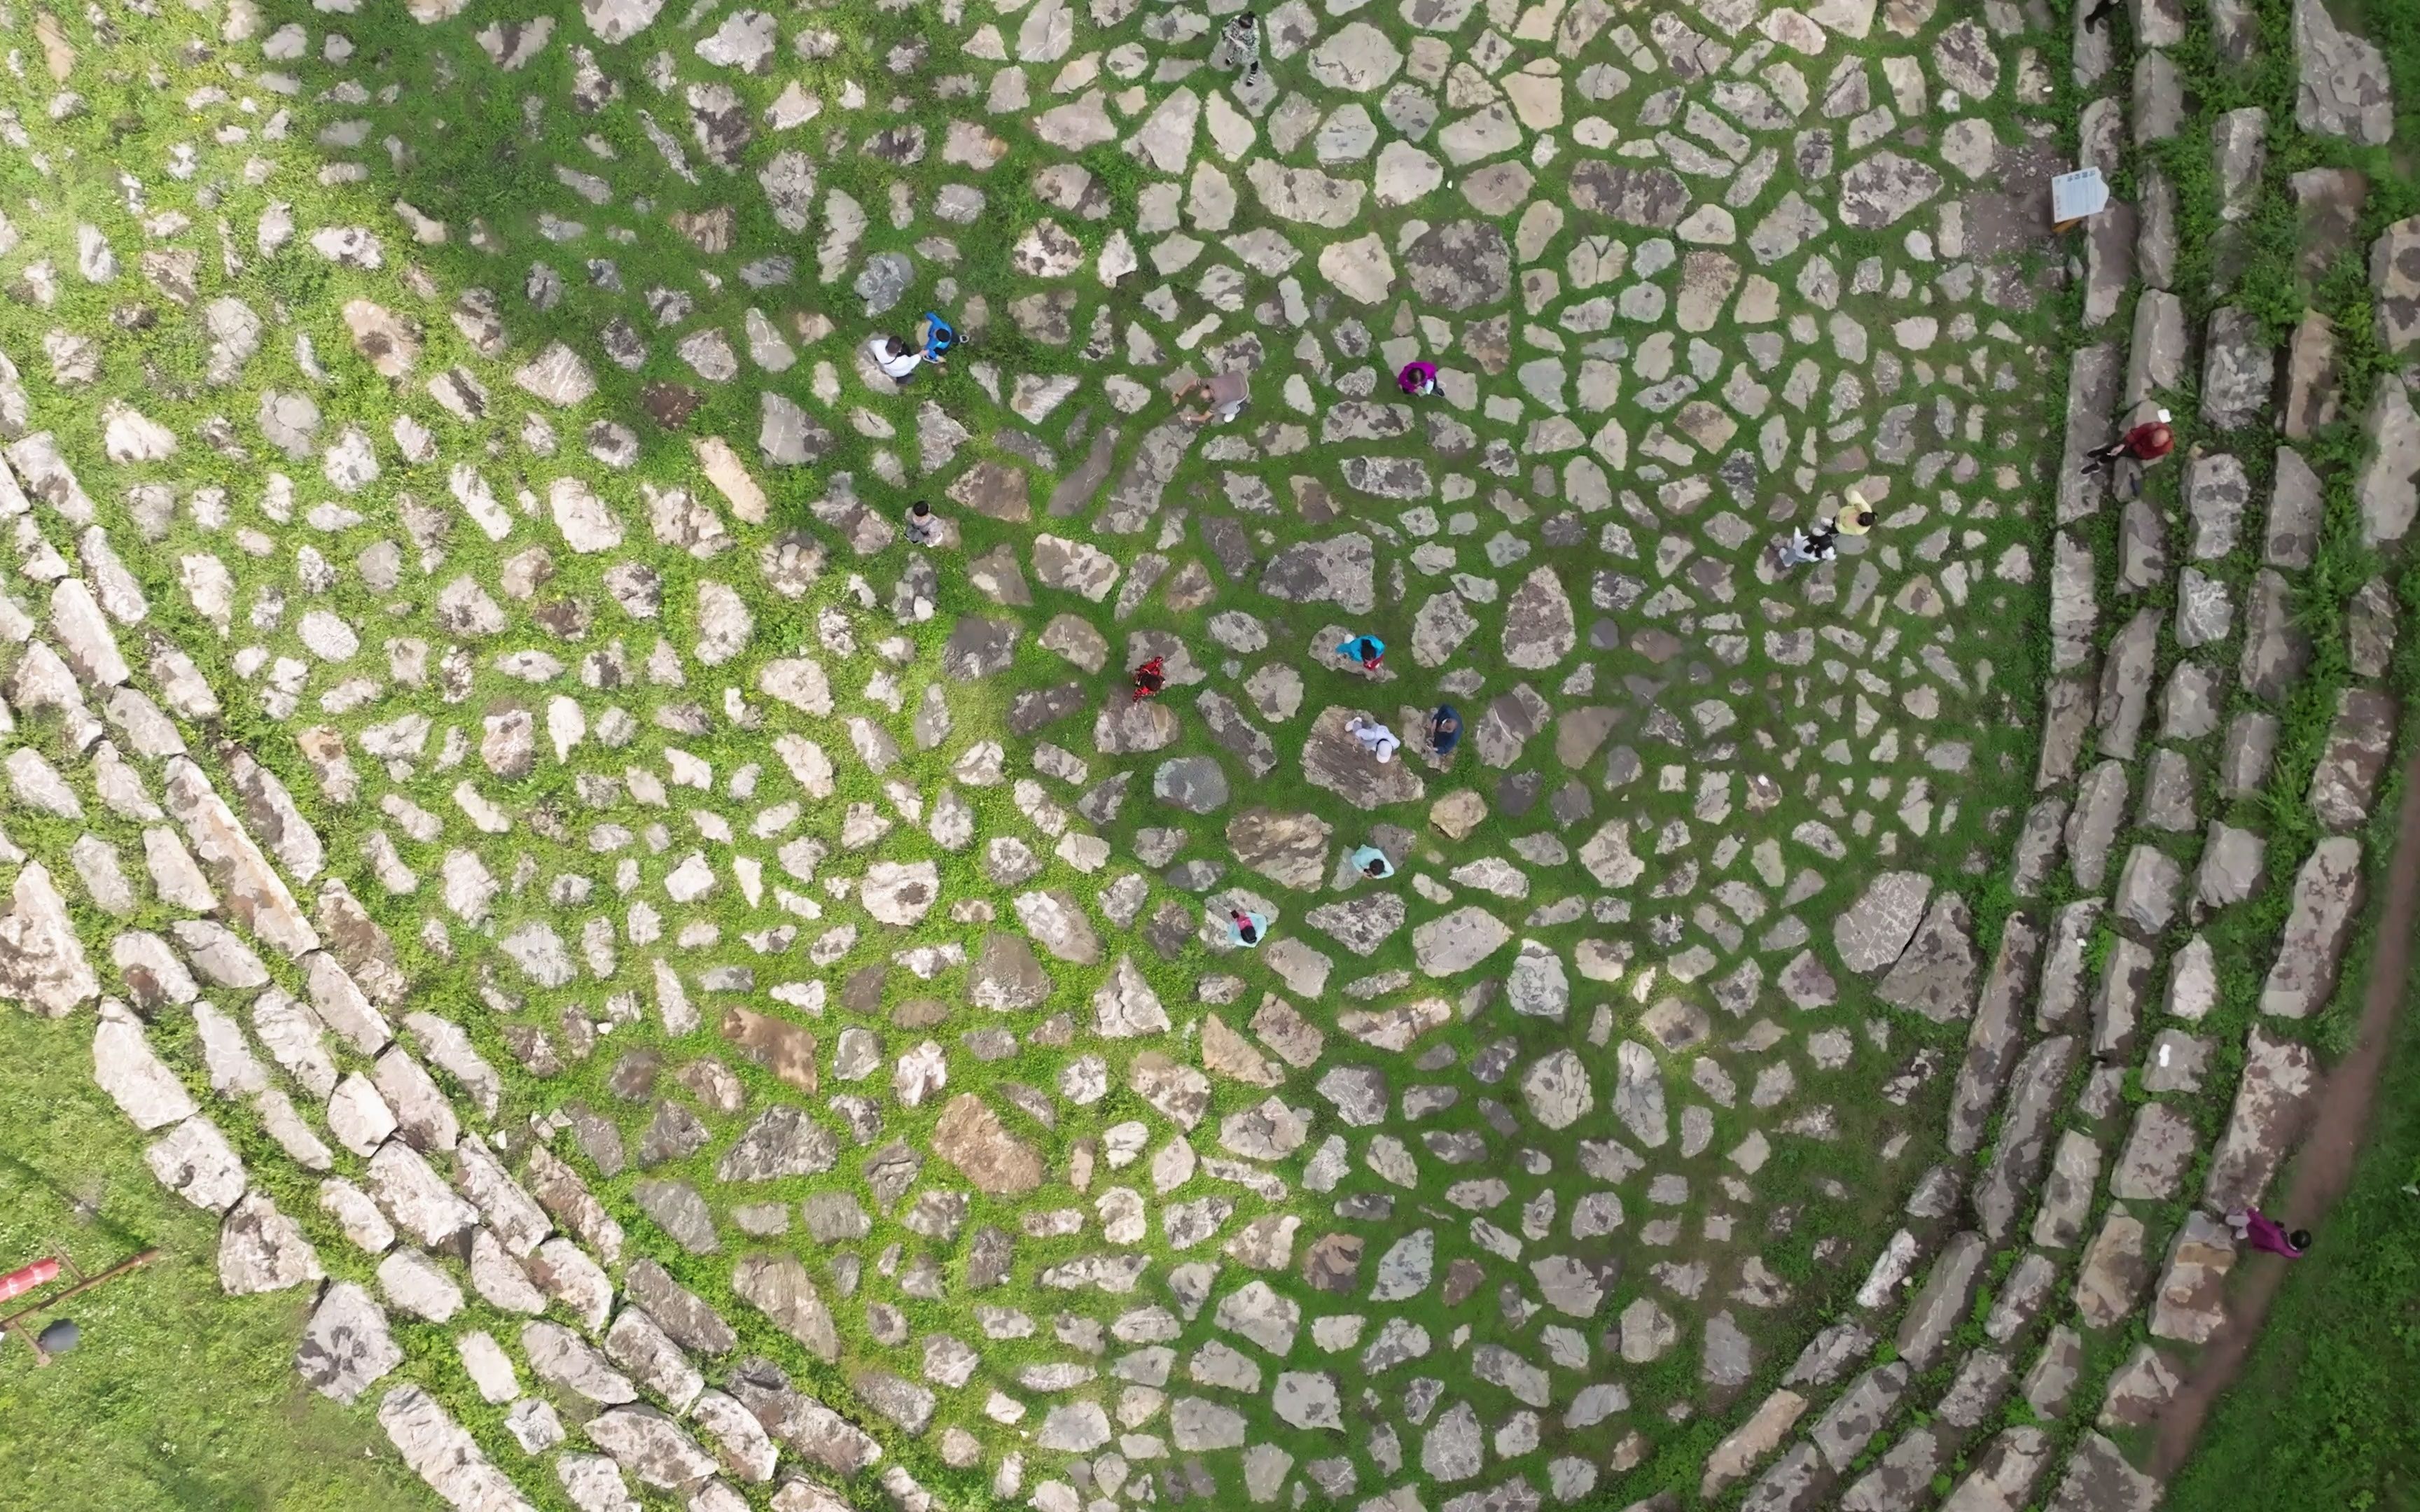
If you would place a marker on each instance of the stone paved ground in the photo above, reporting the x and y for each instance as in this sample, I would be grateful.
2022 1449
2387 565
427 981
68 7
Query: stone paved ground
479 722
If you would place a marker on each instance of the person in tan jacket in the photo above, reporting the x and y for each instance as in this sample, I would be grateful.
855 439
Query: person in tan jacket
1855 516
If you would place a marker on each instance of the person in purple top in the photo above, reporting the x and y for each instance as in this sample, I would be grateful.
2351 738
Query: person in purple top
1418 380
2260 1231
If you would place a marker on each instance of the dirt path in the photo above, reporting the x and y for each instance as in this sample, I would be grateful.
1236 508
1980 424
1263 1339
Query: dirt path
2325 1162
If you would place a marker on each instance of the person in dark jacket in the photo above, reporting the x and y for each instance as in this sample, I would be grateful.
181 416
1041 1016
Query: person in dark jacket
1445 729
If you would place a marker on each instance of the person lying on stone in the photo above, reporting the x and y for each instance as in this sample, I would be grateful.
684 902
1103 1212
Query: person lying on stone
1376 738
1372 862
1246 927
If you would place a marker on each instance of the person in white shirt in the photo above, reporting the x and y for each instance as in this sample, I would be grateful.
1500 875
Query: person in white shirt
1240 42
897 359
1376 738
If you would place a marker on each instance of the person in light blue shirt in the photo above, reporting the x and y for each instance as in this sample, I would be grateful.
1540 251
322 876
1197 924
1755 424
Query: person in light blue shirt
1372 862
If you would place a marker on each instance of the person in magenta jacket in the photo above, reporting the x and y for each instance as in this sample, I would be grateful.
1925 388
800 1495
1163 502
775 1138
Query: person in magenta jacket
2259 1232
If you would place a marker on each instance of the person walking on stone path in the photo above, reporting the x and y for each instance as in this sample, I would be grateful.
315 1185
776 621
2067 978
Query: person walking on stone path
2147 442
924 526
1240 43
1150 678
1372 862
1445 729
1854 517
1247 928
1367 650
897 359
1814 544
1418 379
1376 738
1224 395
2262 1232
941 339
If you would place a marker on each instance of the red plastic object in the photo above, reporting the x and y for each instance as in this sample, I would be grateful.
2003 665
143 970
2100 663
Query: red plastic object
17 1283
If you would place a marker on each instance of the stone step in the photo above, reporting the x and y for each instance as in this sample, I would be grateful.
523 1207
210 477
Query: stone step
347 1346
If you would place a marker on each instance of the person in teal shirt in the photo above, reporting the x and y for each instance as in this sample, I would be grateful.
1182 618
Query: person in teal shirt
1366 649
1372 862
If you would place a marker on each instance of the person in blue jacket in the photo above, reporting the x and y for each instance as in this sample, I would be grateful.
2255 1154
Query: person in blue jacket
940 337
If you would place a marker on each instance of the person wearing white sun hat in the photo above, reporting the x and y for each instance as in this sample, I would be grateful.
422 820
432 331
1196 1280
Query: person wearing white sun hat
1379 741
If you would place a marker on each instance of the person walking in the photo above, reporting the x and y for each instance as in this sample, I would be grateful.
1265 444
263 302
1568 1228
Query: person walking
1372 862
1367 650
1445 729
2259 1232
1814 544
1376 738
1240 42
940 339
1223 397
1150 678
1418 379
1247 928
924 526
1854 517
2147 442
897 359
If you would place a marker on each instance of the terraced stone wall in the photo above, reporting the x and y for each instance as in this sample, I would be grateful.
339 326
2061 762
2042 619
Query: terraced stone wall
725 1005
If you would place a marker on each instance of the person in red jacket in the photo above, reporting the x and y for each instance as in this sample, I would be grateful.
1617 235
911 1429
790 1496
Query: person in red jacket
2147 442
1150 678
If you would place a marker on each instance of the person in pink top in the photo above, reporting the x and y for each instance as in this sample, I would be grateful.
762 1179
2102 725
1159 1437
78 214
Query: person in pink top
2260 1231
